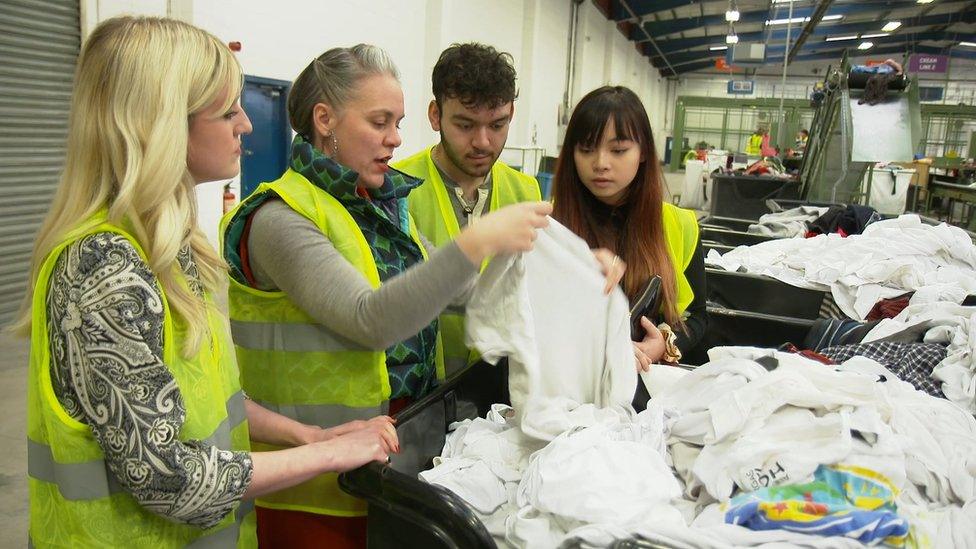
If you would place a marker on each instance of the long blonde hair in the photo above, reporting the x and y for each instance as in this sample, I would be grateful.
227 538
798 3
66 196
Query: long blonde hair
138 82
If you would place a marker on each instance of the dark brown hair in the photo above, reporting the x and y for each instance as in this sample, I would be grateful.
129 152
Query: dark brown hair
477 75
641 243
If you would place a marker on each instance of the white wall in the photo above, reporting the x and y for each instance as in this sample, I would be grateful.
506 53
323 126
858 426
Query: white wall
280 38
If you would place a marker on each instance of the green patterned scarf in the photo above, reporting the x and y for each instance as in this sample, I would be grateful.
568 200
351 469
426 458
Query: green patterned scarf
384 221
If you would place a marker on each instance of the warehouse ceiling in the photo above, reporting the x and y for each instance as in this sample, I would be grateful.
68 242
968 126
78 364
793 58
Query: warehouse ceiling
683 36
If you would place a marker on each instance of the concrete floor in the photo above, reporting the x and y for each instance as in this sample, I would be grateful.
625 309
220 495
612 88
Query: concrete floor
13 441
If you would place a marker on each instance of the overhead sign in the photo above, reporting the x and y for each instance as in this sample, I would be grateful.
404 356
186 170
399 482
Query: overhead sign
928 63
741 87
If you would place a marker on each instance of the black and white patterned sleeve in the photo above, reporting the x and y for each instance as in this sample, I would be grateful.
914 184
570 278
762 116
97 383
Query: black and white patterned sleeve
105 323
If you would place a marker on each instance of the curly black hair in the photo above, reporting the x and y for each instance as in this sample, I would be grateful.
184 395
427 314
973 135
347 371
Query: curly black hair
478 75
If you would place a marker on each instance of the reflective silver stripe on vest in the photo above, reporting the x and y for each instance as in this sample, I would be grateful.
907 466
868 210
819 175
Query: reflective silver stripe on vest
294 337
326 415
76 481
93 479
228 536
235 416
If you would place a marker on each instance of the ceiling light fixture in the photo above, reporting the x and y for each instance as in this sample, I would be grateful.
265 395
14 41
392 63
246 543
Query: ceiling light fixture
925 1
865 45
718 48
836 38
731 37
891 25
732 15
968 44
875 35
802 19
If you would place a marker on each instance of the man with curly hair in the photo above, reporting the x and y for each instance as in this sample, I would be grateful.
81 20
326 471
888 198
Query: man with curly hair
474 100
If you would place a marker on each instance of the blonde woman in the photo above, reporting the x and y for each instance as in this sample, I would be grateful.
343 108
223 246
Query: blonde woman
137 428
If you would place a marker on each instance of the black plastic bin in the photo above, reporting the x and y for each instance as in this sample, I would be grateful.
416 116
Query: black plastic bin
405 511
762 294
745 196
730 237
733 327
730 223
720 248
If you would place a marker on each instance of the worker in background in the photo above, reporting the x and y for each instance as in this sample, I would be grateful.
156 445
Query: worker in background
801 141
755 143
463 179
334 294
137 427
608 189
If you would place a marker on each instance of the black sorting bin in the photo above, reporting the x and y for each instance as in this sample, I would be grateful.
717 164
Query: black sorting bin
745 196
730 237
405 511
733 327
728 223
720 248
761 294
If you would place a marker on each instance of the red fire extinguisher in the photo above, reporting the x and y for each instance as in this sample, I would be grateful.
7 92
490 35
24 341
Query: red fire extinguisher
230 199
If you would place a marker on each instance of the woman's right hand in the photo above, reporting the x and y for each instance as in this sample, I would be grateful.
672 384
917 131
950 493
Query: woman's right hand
359 447
509 229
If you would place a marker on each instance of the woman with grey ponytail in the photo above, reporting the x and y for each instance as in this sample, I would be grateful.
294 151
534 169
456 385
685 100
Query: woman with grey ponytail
334 296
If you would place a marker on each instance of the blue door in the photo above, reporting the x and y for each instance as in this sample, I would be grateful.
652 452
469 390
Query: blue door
265 150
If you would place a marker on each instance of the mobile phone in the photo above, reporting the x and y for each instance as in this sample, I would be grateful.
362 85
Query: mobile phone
648 304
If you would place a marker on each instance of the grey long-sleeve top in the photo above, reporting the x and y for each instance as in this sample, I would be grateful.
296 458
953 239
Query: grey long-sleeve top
307 267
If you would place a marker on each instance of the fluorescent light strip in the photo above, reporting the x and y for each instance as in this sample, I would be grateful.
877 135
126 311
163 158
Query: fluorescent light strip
925 1
802 19
865 45
968 44
837 38
876 35
891 25
718 48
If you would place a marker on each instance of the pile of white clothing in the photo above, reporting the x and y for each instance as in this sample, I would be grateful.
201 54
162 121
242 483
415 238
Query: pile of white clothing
731 425
567 343
890 258
788 223
570 464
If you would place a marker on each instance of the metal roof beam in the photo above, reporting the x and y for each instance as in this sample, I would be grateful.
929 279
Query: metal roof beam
671 26
681 69
815 19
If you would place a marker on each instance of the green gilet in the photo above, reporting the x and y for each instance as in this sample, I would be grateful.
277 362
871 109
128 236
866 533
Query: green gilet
681 233
75 500
297 367
431 207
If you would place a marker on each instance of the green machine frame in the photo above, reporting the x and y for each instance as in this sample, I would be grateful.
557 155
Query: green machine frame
733 129
945 129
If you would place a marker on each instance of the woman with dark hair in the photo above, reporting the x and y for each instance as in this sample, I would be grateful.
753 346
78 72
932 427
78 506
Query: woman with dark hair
608 190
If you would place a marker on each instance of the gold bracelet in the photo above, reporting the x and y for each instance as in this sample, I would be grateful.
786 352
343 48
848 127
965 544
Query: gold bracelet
672 354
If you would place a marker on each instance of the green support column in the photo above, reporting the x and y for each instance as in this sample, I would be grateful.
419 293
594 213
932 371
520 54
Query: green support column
677 134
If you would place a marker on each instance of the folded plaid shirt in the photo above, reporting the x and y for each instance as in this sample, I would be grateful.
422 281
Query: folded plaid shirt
911 362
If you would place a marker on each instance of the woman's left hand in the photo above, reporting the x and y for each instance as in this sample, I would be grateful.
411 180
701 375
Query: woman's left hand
612 266
651 348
